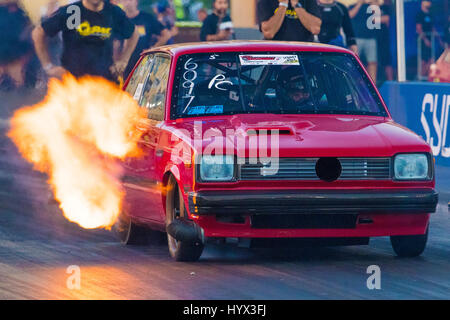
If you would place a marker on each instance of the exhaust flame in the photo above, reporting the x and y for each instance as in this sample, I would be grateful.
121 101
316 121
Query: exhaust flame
76 136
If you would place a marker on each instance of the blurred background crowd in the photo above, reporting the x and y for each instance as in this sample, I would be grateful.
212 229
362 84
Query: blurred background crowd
177 21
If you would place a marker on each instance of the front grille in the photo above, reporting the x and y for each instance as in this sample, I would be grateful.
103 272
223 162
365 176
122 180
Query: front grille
304 221
365 168
305 169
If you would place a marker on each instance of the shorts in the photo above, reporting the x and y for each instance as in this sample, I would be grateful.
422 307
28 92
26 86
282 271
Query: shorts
368 49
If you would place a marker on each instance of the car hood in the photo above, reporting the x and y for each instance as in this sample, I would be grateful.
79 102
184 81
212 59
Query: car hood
306 135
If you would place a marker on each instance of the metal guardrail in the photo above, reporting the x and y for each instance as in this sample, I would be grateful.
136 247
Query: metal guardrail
433 36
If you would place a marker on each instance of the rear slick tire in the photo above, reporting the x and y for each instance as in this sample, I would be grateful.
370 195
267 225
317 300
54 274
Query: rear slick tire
129 233
409 246
175 209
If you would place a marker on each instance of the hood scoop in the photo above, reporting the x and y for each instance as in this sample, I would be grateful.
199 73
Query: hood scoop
269 131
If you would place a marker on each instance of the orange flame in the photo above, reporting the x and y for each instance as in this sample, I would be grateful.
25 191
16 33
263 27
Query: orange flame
76 136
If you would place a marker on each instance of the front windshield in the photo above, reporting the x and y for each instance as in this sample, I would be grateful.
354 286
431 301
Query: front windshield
279 83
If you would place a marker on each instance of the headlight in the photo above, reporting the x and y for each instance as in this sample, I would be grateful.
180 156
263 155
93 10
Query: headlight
217 168
411 167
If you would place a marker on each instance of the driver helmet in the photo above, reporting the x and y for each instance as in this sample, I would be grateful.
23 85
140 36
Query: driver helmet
293 90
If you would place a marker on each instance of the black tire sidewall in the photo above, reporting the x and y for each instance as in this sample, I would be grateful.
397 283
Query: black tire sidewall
181 251
410 246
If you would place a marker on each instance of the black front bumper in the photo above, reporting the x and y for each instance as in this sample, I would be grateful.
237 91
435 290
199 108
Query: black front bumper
305 202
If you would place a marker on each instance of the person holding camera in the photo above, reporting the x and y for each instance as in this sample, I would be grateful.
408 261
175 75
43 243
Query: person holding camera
218 25
289 20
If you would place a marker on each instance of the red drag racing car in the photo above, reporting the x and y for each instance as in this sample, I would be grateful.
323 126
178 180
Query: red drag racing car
271 142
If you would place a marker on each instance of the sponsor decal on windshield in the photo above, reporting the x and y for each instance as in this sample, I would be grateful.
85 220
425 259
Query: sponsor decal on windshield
265 60
218 109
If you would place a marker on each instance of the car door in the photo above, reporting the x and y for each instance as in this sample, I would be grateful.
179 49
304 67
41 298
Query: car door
142 180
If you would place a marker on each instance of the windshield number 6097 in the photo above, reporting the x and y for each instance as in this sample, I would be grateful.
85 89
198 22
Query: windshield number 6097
189 76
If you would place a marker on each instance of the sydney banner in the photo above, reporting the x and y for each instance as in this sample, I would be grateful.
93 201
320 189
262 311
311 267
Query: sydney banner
423 108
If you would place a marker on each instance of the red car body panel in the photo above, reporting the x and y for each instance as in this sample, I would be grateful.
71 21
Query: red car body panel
305 136
383 225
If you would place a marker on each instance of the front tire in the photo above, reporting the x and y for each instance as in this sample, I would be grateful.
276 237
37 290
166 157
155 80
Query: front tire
409 246
175 209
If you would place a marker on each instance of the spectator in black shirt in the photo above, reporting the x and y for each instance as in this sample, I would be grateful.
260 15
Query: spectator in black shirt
384 41
15 45
88 47
217 26
289 20
366 31
151 32
334 18
425 28
166 18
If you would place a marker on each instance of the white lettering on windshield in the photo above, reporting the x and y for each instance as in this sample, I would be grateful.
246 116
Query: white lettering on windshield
220 78
189 76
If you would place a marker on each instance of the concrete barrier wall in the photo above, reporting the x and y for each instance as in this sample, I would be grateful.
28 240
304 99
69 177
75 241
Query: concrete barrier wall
424 108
